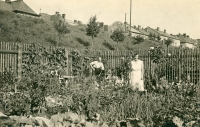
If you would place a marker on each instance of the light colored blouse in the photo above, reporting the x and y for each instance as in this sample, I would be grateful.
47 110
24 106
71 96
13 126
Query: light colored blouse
97 64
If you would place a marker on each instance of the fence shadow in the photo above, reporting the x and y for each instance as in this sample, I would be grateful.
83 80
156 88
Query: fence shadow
83 42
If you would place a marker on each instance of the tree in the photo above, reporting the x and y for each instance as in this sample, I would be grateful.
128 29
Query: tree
151 36
139 39
117 36
168 42
158 38
61 28
93 28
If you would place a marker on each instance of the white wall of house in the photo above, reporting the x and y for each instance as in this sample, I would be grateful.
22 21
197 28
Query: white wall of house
163 38
188 45
134 34
176 43
137 34
135 31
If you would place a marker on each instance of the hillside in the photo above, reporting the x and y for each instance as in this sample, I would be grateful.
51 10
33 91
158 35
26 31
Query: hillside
22 29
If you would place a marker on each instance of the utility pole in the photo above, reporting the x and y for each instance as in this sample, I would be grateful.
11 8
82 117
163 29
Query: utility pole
130 14
125 23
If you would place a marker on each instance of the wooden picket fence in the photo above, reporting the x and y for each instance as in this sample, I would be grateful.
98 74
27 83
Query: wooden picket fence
181 63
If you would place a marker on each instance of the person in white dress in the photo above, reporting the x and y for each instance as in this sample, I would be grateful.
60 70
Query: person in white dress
136 74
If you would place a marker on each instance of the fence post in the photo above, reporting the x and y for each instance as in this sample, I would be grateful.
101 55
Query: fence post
67 61
19 62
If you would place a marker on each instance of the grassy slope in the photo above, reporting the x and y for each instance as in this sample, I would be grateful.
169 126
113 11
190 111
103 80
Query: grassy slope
16 28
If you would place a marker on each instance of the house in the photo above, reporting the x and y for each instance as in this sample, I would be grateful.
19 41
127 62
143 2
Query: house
186 41
198 41
18 7
164 35
55 18
138 31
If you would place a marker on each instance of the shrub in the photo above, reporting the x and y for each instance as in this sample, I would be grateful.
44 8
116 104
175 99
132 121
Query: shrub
7 81
138 39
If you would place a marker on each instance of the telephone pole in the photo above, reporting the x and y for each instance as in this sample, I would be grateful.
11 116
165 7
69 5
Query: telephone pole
125 23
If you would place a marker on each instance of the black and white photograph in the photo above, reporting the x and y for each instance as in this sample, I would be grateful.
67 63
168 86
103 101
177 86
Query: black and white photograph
99 63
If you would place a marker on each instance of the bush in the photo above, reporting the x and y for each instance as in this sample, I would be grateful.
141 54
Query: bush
138 39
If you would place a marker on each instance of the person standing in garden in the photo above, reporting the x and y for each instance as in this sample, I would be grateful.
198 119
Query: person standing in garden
136 74
97 67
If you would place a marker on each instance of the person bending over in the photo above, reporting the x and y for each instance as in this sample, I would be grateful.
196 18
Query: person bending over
97 67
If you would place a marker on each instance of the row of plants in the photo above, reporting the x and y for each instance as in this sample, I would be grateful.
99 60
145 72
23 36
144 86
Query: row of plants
113 103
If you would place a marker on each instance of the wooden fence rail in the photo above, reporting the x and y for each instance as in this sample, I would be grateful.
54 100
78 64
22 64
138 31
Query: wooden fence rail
179 65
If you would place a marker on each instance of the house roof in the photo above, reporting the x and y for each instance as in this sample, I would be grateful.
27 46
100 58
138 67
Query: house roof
139 31
161 33
194 41
17 6
143 31
198 40
20 6
5 6
187 40
56 18
45 16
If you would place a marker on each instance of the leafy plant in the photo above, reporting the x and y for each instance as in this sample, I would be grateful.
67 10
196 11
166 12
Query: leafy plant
168 42
37 77
7 81
117 36
152 36
93 28
138 39
158 38
61 28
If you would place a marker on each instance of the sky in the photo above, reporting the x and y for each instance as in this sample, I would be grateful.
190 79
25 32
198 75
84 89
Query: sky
176 16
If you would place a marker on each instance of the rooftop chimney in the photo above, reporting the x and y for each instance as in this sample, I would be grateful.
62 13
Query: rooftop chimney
79 22
134 26
188 36
57 13
63 15
184 34
164 30
139 27
158 28
101 24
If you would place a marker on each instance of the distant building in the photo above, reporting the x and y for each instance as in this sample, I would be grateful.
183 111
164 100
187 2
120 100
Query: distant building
105 27
55 18
164 35
198 41
138 31
146 32
186 41
101 24
18 7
